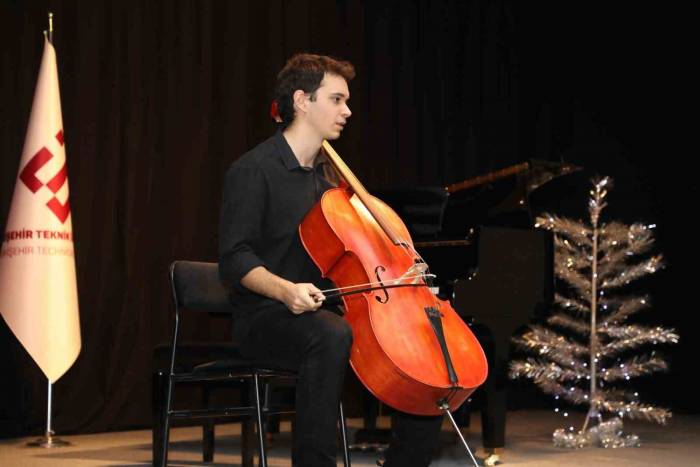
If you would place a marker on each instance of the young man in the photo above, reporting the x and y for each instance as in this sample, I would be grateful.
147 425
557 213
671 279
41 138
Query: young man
281 318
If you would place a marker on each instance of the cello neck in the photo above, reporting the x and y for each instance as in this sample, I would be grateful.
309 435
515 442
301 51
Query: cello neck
361 192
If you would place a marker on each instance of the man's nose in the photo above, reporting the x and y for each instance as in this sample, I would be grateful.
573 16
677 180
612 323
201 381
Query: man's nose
346 111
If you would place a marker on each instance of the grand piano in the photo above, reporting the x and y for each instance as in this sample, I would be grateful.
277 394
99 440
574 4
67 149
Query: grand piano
477 236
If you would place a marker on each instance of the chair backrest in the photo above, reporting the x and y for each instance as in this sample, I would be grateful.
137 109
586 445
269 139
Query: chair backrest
196 286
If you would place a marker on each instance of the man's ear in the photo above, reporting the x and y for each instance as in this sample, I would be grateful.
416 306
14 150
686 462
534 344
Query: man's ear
300 100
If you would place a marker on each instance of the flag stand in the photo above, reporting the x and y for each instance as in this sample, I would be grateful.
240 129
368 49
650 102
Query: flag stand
48 441
48 324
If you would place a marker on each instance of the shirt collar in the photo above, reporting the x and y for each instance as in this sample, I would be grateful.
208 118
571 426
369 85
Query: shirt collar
289 159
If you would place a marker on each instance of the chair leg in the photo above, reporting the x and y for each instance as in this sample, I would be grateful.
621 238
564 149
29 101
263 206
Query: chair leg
247 430
272 422
207 429
344 434
157 403
247 435
293 431
258 413
166 423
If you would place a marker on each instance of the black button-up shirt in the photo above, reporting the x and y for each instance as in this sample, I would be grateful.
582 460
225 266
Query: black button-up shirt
266 196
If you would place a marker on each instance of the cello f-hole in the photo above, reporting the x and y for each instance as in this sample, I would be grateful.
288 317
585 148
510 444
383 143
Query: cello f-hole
377 270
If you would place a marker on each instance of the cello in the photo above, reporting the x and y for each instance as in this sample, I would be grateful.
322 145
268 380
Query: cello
410 349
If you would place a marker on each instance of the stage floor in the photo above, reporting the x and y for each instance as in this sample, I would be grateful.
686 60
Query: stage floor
528 438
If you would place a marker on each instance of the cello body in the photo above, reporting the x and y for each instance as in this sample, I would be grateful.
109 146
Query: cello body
396 353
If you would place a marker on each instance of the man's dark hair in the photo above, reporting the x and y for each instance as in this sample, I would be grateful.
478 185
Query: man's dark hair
305 72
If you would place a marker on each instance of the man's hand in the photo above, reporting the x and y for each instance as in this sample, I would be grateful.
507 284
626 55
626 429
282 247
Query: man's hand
300 298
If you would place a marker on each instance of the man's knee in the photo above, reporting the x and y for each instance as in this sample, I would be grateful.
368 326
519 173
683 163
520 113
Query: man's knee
344 334
338 333
332 333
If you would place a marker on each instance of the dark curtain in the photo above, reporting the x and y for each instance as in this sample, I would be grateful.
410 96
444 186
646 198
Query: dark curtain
159 97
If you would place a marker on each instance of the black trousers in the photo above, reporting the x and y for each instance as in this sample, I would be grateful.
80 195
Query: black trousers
317 346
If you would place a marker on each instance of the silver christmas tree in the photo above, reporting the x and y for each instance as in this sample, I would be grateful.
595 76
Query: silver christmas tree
584 355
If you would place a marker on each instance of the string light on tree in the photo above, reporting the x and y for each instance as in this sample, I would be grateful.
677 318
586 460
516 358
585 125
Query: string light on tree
583 356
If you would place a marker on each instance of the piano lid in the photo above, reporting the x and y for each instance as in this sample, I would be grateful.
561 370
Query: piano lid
496 198
542 171
536 172
444 221
499 198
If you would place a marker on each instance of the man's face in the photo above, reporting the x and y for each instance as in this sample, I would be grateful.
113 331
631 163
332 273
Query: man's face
329 112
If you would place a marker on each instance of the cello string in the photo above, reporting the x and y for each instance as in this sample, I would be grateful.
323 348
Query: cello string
403 242
406 245
354 182
344 172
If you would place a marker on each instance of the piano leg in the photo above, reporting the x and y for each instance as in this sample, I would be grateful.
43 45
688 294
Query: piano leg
493 414
493 396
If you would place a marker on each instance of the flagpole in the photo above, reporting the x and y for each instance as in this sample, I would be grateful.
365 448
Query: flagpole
48 441
50 27
49 400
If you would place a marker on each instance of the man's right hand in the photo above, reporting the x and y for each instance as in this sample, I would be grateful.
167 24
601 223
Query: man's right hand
299 298
303 297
